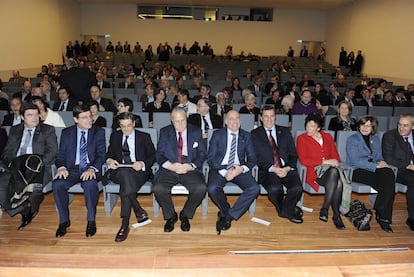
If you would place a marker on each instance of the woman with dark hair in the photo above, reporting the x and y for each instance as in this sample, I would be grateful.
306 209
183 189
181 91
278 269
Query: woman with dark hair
235 85
364 155
46 114
317 151
125 105
159 105
97 120
323 105
344 121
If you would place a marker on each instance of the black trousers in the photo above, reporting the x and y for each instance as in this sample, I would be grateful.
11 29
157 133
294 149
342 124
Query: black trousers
406 177
194 183
130 181
274 187
383 181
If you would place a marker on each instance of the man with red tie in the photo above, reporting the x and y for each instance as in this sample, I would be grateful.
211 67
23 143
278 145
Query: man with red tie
180 154
277 158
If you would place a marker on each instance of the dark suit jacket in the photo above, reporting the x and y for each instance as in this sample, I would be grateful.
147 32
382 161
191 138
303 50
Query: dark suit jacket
108 104
218 148
105 84
144 149
216 121
214 109
395 150
8 120
44 143
122 85
68 145
78 80
264 153
168 145
256 112
3 140
71 103
138 122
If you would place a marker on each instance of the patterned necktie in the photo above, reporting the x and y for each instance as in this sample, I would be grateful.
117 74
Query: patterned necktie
180 147
23 149
409 148
62 106
276 157
83 153
126 154
206 127
232 155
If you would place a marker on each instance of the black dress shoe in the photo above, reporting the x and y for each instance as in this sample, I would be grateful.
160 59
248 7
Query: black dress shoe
141 215
185 224
298 211
169 225
385 226
323 215
90 229
26 220
122 234
222 224
61 231
293 218
410 223
338 223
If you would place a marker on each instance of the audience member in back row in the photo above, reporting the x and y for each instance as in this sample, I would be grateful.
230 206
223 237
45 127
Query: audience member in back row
46 114
156 106
14 117
184 102
97 120
250 107
397 148
344 121
125 105
322 103
305 106
105 105
368 98
275 98
204 119
65 103
26 92
220 108
364 155
316 149
205 93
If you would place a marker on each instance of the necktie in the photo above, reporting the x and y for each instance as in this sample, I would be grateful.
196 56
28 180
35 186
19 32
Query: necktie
232 151
62 106
206 127
83 153
409 148
23 149
221 111
126 154
180 147
276 157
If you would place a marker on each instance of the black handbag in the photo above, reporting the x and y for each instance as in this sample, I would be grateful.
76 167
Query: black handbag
359 215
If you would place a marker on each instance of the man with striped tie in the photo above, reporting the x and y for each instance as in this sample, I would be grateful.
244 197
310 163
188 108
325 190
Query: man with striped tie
231 157
80 159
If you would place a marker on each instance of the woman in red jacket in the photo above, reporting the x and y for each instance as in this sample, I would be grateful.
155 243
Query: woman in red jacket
316 148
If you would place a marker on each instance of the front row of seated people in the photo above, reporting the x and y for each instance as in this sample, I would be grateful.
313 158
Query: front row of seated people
232 154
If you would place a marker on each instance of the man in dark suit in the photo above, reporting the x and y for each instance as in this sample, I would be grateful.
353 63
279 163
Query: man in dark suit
277 158
104 103
65 103
130 157
204 119
80 159
129 83
14 117
231 157
26 93
397 149
77 80
180 154
220 108
29 137
204 92
101 82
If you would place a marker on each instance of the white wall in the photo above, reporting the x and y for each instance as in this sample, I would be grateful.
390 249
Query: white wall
262 38
382 29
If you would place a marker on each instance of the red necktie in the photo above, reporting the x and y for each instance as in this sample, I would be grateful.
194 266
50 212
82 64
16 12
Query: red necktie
276 156
180 147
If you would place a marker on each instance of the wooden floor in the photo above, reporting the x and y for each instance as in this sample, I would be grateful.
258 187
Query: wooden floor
149 251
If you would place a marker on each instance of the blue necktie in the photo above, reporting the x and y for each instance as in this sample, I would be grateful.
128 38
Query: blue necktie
232 151
83 153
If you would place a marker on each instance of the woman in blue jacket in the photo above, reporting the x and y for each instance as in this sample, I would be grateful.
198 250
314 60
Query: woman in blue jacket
364 155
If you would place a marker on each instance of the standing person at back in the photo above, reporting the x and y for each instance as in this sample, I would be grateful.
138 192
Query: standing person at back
78 80
231 157
397 149
277 159
80 159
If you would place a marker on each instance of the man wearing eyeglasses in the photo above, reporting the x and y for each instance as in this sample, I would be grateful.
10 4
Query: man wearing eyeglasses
80 159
